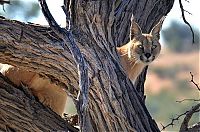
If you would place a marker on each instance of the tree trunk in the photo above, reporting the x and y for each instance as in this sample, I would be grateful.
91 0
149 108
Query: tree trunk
99 26
20 111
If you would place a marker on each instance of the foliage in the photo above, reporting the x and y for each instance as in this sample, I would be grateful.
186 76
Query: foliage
178 37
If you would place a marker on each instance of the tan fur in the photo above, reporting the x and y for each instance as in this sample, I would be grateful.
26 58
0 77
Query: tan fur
131 67
140 51
47 92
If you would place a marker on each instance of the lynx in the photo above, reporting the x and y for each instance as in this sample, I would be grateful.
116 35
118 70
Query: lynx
141 50
48 93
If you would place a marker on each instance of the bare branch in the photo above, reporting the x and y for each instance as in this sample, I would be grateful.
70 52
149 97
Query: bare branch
192 80
194 128
180 101
173 120
186 119
187 113
188 12
2 2
187 1
185 21
82 103
68 17
184 125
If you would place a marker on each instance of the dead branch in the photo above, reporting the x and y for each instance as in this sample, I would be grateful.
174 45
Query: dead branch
180 101
188 114
184 126
192 80
173 120
82 103
187 1
2 2
172 123
184 19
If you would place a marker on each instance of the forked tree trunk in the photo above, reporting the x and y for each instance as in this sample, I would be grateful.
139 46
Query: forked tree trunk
99 26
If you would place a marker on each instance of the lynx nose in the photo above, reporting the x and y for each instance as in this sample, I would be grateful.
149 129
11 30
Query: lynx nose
147 55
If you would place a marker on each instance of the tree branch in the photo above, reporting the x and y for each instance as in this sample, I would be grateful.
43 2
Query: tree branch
18 105
188 114
42 51
2 2
184 126
82 103
173 120
180 101
194 128
184 19
192 80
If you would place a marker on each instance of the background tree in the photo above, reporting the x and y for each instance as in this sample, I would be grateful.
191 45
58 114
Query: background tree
178 37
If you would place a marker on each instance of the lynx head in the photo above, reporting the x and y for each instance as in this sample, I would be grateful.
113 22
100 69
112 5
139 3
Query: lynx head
144 48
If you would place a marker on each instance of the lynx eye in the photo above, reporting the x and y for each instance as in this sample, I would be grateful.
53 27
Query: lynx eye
140 46
154 46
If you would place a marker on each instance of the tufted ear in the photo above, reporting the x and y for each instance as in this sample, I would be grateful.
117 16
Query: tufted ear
135 29
155 32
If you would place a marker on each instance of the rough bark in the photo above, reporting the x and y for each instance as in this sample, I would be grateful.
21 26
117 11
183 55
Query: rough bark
185 124
100 26
20 111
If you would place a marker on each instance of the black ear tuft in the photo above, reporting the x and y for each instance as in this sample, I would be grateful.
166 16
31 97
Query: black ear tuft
135 29
155 32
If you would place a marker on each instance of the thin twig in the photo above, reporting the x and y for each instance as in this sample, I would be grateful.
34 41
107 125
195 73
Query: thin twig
68 18
187 1
184 125
184 19
173 120
192 80
188 12
180 101
186 113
